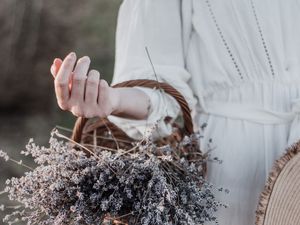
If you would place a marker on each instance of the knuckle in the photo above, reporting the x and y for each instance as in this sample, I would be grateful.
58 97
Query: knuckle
77 112
76 102
89 100
103 112
89 114
78 79
75 98
107 111
61 83
92 82
63 105
98 111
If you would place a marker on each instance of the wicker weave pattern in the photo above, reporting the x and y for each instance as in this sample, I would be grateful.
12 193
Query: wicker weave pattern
103 133
86 129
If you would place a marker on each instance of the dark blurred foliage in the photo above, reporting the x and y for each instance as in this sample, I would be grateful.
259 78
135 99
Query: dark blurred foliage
32 34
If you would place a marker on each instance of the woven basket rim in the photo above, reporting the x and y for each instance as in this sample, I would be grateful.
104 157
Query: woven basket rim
167 88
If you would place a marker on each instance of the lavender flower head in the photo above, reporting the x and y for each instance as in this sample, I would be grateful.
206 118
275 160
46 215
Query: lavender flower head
146 185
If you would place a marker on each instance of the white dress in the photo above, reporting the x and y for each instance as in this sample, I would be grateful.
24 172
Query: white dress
237 62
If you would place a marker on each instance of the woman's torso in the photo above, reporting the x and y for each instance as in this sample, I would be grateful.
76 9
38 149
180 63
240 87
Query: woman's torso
244 51
244 57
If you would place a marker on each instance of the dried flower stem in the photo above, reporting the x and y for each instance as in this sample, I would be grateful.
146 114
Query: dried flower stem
112 135
145 184
128 151
13 207
92 135
120 217
76 143
80 145
20 163
101 147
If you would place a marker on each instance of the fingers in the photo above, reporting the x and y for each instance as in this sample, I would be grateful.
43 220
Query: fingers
62 80
80 91
52 70
55 66
103 86
91 89
79 79
103 98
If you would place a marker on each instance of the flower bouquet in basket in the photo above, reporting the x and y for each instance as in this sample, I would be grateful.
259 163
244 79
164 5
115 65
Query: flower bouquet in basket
101 176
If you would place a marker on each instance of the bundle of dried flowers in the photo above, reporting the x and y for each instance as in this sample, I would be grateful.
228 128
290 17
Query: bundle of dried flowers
146 185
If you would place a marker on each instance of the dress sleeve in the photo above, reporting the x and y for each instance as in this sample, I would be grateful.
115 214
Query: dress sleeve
157 25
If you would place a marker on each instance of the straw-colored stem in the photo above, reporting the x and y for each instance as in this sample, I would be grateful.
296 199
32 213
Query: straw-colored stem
3 192
76 143
101 147
122 216
13 207
88 150
20 163
97 136
112 135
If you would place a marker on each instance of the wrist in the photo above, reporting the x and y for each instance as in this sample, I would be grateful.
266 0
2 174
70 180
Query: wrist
116 103
130 103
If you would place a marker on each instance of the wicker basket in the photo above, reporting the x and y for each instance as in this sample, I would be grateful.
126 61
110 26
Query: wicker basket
102 132
279 203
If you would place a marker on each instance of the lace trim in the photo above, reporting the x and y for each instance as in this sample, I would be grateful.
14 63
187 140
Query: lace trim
223 39
262 38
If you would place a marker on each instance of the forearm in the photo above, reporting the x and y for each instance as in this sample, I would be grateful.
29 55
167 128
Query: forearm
131 103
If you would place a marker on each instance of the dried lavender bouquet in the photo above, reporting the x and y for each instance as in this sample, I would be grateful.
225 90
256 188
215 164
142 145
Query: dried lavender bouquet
146 185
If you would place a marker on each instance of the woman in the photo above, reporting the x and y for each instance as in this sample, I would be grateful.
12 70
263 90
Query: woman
236 63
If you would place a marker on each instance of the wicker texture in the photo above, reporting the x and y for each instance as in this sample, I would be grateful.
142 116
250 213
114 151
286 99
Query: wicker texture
279 203
104 133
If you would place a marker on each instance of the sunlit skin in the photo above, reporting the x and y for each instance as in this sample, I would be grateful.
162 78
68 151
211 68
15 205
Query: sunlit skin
82 91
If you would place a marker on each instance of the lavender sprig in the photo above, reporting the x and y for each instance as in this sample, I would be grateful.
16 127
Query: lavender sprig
68 187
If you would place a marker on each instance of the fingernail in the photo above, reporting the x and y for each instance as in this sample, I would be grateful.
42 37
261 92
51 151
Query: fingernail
72 54
87 58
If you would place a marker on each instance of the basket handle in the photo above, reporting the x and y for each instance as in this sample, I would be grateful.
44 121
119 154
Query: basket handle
187 119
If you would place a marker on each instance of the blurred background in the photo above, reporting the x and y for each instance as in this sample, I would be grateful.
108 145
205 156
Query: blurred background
32 34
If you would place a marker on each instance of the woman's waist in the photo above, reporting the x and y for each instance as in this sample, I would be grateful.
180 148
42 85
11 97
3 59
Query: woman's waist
252 112
261 102
249 89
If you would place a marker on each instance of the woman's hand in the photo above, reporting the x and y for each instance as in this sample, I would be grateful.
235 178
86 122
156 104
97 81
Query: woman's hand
81 91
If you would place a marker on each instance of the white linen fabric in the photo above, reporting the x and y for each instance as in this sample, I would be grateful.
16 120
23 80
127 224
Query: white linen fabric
237 63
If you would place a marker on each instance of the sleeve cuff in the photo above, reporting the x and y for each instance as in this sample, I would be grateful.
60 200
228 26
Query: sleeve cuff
162 105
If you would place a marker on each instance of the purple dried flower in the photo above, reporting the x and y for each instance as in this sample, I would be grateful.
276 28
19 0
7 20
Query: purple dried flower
68 187
4 155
